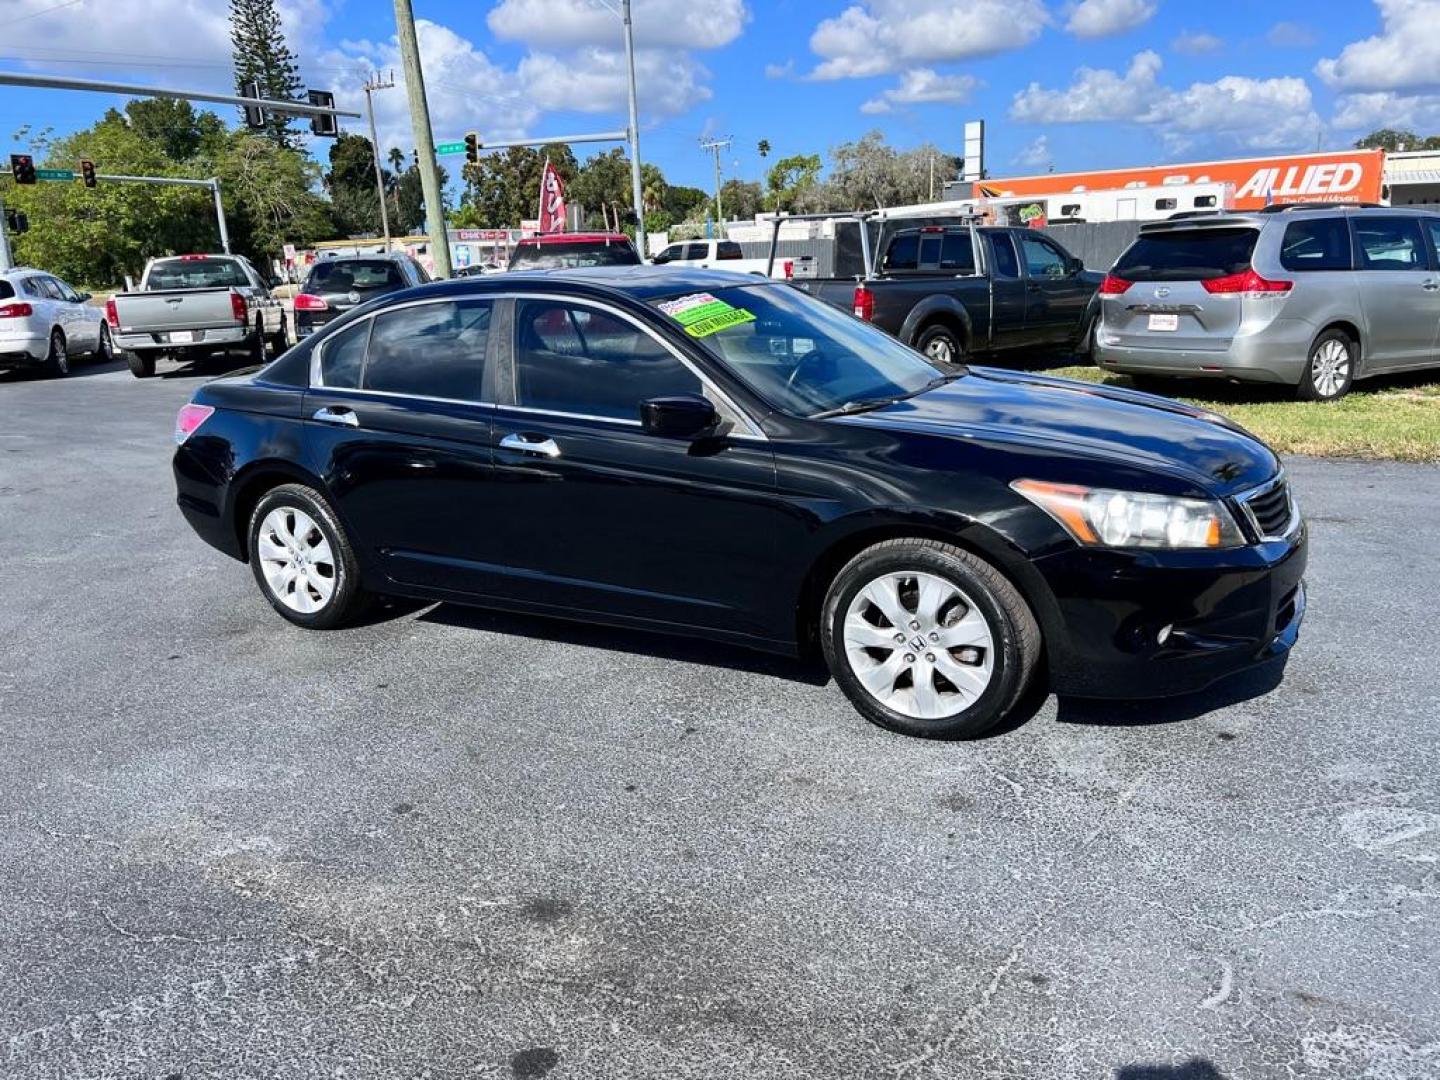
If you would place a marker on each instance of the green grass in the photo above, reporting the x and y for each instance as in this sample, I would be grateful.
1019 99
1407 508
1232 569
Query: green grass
1386 418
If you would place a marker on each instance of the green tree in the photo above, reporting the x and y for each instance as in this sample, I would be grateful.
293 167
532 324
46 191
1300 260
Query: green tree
270 193
504 188
261 55
604 180
764 147
180 132
681 202
788 178
741 199
410 200
351 184
1397 139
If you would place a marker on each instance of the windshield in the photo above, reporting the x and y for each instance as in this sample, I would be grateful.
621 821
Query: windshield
196 274
353 274
572 256
798 353
1187 255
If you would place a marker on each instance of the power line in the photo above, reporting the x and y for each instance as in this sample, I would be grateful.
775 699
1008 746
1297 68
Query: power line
45 11
716 147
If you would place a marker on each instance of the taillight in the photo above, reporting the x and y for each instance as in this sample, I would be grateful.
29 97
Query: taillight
237 307
112 316
789 265
864 303
191 417
16 311
306 302
1114 286
1247 283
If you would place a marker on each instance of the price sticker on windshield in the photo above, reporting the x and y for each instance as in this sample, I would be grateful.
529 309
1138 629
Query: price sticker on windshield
702 314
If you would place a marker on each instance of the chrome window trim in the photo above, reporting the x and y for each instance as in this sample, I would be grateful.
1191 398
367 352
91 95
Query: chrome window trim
1244 498
317 381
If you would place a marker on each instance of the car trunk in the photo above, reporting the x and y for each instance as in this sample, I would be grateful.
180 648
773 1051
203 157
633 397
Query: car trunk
1165 304
344 285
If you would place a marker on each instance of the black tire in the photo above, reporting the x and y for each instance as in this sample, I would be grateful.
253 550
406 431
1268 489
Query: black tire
105 350
57 364
256 345
1326 377
142 365
280 340
1012 626
348 599
940 342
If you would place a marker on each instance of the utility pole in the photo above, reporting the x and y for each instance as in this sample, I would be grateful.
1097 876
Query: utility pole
715 146
6 260
424 137
637 188
371 85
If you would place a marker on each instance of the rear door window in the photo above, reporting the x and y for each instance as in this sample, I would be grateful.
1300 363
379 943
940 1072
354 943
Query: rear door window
729 249
903 253
694 252
430 350
1390 243
1187 255
1006 264
343 356
1316 244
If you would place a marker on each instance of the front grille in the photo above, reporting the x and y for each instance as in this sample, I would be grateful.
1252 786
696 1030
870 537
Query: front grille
1270 508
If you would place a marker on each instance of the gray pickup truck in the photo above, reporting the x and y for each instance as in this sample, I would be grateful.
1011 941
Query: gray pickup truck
188 306
956 291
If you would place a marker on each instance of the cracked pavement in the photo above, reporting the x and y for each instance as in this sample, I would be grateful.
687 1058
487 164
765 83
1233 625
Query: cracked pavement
452 843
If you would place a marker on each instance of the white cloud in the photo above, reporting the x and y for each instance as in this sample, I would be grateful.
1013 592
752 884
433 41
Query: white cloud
923 86
1102 18
571 24
1036 155
595 81
876 36
1197 44
780 71
1363 113
1254 114
1290 35
1406 54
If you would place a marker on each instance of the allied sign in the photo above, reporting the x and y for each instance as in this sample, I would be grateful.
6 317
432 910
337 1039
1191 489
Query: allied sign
1343 176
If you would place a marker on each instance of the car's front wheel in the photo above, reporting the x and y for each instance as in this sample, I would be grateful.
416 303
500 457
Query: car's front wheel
1330 368
302 560
928 639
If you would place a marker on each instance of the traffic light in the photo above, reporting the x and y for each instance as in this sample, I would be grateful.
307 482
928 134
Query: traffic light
472 148
87 172
22 167
327 125
254 114
17 222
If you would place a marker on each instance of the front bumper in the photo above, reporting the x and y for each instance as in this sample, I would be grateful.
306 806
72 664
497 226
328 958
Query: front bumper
1145 625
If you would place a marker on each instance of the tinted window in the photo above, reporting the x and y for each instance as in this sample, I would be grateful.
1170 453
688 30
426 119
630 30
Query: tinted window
188 273
1316 244
342 356
1070 209
1164 204
556 256
432 350
6 290
31 287
1041 259
957 253
729 249
1433 224
671 253
1205 200
696 252
1006 265
341 277
50 287
930 250
574 359
903 253
1187 255
1390 243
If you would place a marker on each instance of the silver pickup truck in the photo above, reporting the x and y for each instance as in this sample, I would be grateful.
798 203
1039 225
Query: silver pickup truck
188 306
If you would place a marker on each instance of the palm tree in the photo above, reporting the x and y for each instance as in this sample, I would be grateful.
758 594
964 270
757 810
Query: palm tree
397 159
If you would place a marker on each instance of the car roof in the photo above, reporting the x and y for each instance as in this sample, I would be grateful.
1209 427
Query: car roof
1289 212
392 256
576 238
642 283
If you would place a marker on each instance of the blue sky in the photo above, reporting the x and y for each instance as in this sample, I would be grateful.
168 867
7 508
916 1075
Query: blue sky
1068 83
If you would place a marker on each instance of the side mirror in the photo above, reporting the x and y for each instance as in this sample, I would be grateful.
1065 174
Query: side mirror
1075 266
83 297
661 259
687 416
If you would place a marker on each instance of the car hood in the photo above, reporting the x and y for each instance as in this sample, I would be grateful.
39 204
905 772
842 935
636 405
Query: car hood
1088 420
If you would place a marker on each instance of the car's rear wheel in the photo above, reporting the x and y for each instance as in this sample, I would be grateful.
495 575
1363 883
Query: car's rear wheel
257 348
941 344
280 340
1330 368
57 364
928 639
302 560
142 365
105 348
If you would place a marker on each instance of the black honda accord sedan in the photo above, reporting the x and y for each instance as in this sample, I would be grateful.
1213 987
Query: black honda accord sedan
704 453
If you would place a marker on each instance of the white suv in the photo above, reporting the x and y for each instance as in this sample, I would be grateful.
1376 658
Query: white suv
44 322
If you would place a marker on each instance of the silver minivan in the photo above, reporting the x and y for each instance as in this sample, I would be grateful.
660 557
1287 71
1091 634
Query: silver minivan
1310 296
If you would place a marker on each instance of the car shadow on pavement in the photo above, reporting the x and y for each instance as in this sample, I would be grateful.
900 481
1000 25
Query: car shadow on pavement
1238 688
638 642
1194 1069
209 367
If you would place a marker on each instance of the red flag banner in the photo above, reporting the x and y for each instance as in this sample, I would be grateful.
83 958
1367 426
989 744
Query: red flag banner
552 201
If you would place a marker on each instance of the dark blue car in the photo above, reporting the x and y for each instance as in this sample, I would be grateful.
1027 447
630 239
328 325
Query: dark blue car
702 453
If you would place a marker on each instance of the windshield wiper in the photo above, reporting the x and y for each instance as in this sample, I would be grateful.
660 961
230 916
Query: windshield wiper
867 404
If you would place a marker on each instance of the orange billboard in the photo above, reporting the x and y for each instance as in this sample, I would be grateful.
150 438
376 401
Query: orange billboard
1339 176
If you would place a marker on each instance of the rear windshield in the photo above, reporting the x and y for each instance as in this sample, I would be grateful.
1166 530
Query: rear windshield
570 256
6 290
1187 255
196 274
353 274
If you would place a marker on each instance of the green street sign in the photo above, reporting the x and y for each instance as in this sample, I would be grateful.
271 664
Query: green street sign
58 174
450 148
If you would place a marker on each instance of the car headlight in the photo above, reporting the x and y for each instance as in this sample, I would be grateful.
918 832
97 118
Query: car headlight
1102 517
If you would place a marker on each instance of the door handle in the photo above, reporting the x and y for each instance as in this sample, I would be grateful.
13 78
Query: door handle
340 416
1430 286
530 444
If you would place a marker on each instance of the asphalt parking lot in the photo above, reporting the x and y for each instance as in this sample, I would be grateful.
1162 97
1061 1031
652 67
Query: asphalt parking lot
450 843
